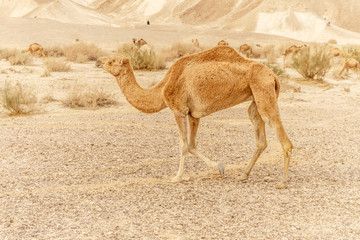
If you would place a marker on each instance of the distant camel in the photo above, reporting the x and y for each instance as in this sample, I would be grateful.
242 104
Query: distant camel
101 61
350 64
198 85
195 42
245 49
223 43
35 47
335 52
139 43
293 50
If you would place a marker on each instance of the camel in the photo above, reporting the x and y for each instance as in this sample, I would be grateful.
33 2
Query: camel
142 45
335 52
139 43
245 49
101 61
201 84
223 43
195 42
293 50
35 47
350 64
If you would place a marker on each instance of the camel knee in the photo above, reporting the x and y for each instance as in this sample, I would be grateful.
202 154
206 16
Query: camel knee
287 148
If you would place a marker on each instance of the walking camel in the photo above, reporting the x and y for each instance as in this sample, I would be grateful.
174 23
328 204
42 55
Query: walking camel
200 84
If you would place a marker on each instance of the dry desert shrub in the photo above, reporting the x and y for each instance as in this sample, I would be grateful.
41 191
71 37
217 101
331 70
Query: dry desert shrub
19 58
7 53
351 51
312 62
81 52
332 41
80 96
56 65
279 71
178 50
141 59
54 51
17 99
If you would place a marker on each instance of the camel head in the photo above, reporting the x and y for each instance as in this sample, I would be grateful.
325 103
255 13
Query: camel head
117 66
101 61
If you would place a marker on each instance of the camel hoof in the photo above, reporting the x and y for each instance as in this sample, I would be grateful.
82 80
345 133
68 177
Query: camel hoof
282 185
244 177
221 168
175 179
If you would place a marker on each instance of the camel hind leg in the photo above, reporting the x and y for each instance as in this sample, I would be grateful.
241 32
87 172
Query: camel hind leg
261 144
194 125
266 103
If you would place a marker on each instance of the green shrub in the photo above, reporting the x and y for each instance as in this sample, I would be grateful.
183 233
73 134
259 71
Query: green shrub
141 59
17 99
312 62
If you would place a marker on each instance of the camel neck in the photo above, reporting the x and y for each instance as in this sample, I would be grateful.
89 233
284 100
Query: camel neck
147 100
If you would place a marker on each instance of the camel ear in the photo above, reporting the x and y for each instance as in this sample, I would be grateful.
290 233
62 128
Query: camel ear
125 61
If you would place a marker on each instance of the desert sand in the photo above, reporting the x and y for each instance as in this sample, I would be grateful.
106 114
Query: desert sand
105 173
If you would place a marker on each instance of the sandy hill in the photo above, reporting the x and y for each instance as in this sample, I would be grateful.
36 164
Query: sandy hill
304 20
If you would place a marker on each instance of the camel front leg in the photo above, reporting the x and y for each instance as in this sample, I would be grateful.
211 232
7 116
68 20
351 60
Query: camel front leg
181 122
194 125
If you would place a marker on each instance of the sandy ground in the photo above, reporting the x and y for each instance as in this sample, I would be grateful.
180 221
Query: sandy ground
104 174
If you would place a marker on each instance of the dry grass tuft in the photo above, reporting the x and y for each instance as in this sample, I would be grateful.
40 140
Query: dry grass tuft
141 59
178 50
7 53
81 96
19 58
82 52
54 51
56 65
17 99
277 69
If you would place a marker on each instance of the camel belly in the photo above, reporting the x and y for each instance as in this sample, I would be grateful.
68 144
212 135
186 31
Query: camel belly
199 108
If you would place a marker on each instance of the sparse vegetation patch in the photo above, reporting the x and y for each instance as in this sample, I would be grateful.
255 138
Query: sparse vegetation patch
80 96
17 99
312 62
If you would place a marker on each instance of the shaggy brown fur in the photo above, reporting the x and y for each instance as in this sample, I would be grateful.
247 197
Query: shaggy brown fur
350 64
198 85
246 49
35 48
223 43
